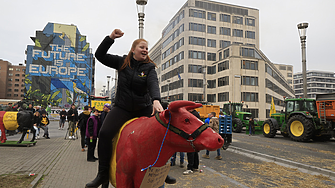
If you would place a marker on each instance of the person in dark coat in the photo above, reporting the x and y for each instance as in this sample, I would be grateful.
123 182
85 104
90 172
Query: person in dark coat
92 126
72 117
251 126
30 108
83 117
137 95
62 119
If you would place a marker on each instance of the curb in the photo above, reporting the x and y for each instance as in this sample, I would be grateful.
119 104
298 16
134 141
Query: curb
283 162
35 181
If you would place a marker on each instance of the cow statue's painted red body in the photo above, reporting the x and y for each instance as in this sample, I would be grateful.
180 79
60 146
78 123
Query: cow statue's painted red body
140 141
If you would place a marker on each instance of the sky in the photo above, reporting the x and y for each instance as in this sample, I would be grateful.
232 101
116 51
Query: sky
278 19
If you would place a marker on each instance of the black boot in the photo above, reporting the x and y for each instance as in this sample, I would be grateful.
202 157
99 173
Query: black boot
101 179
170 180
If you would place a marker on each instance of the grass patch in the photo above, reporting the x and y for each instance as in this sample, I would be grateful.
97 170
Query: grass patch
16 180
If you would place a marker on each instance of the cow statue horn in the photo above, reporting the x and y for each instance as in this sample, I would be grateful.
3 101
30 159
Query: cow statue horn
189 105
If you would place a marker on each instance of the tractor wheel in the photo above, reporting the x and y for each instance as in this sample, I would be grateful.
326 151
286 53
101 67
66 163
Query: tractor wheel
300 129
237 125
269 129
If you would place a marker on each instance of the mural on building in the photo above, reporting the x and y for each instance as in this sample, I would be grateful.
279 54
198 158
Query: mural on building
59 67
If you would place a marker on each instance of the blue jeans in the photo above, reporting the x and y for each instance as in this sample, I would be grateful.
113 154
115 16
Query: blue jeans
218 152
182 156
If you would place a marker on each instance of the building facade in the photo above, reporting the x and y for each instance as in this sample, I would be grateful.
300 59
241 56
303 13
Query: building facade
318 82
12 80
286 71
209 52
60 67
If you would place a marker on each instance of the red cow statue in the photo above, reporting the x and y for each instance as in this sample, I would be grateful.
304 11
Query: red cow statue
139 142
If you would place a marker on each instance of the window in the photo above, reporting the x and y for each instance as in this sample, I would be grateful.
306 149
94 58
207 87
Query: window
17 74
211 70
195 68
23 75
225 18
211 56
223 66
10 74
17 69
289 68
225 31
249 52
289 81
197 41
224 43
249 80
211 97
22 85
238 20
249 21
16 85
211 29
211 43
16 90
195 97
9 95
10 85
237 33
211 16
211 83
9 90
196 83
226 53
22 80
197 27
16 95
196 55
249 97
17 80
223 81
252 65
282 67
10 79
289 74
250 34
220 56
197 13
10 69
223 97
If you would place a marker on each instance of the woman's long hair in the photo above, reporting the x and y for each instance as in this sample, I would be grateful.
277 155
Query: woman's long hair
130 55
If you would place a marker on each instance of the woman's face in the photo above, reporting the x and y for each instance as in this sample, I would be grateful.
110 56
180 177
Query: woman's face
140 53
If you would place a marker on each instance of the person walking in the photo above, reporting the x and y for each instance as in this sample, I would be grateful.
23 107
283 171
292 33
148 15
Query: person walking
44 125
62 119
137 95
36 123
251 126
92 127
214 124
193 157
72 117
83 117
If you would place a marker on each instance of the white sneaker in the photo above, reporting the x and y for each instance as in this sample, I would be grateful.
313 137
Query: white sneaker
187 172
59 128
70 137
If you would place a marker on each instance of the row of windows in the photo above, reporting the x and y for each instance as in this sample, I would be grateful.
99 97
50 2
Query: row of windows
15 95
16 69
16 85
276 101
250 52
16 80
247 64
15 90
316 90
171 86
221 8
195 68
173 73
173 36
272 73
249 81
173 60
310 74
175 97
196 55
225 54
223 66
173 24
173 48
195 97
196 83
315 80
222 97
249 97
275 88
10 74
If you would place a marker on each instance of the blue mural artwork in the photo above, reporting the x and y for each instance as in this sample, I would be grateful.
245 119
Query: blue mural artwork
59 67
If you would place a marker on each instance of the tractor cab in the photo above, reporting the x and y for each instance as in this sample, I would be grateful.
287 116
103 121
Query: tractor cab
240 118
305 107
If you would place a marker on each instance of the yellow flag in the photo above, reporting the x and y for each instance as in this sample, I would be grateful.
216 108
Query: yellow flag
273 108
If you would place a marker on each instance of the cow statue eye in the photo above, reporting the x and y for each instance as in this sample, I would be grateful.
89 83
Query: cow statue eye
187 120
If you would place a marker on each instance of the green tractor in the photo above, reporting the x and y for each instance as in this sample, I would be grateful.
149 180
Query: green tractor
240 118
299 121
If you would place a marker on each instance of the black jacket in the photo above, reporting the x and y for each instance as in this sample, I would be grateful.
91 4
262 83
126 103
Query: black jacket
70 117
62 113
83 117
137 86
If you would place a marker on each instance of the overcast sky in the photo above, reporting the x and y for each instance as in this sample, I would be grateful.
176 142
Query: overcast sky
278 19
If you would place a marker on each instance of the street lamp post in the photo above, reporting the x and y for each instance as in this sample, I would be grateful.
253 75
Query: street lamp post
108 78
140 10
302 28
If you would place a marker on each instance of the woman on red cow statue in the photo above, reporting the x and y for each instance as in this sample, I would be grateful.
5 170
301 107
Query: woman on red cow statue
137 95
